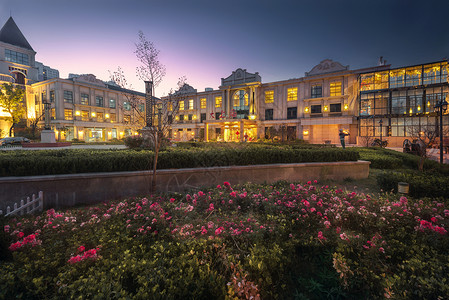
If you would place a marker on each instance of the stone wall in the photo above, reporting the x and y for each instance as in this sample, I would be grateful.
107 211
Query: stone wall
88 188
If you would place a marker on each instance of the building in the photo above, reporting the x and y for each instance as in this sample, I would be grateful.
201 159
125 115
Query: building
398 103
82 107
313 107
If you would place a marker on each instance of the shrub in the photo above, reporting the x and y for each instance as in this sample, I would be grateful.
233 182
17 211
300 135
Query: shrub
134 141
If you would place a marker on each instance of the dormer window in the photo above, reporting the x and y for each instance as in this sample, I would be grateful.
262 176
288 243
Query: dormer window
16 57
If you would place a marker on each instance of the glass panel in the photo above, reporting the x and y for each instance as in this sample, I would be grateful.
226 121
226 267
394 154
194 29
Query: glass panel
269 96
292 94
413 76
367 82
381 80
397 78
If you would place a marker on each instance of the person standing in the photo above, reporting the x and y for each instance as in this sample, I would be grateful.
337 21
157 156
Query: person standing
342 135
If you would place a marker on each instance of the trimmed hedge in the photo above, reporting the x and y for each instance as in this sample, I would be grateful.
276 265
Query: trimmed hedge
421 185
46 162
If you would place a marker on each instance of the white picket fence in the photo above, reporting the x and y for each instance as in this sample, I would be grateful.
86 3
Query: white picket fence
31 205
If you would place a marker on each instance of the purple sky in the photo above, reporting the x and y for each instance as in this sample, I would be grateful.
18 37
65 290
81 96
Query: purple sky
206 40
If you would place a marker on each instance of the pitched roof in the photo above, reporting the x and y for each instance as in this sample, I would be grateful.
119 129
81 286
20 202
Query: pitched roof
11 34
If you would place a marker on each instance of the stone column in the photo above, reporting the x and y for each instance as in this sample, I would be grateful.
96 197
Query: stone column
47 135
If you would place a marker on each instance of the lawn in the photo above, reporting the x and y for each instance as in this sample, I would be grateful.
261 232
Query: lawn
287 240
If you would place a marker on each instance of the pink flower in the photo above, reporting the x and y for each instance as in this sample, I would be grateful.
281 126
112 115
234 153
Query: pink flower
218 230
233 194
382 250
226 184
320 235
433 219
6 228
172 200
81 249
218 186
20 234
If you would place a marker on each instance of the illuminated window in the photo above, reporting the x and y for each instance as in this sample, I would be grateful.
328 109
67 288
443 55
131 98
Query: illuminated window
413 76
181 105
68 96
191 104
218 101
397 78
85 115
100 117
113 117
381 80
335 88
99 101
53 114
68 114
269 96
316 91
170 106
17 57
203 102
126 119
84 99
112 103
292 94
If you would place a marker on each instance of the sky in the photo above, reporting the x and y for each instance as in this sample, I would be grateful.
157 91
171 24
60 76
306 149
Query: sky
205 40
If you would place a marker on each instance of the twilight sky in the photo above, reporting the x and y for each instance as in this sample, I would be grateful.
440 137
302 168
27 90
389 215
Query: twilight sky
206 40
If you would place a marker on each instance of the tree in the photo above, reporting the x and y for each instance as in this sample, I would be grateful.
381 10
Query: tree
163 112
424 136
134 105
11 101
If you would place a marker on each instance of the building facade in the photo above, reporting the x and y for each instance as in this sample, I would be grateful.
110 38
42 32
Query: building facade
314 107
82 107
399 103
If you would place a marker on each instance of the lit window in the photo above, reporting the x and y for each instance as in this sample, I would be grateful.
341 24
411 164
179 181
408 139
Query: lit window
181 105
170 106
113 117
335 88
191 104
84 99
112 103
52 96
292 94
100 117
269 96
85 115
316 91
203 102
218 101
68 114
68 96
126 119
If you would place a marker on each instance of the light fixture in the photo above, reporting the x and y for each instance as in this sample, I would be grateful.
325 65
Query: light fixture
346 107
77 113
325 108
305 132
306 109
252 117
93 114
107 116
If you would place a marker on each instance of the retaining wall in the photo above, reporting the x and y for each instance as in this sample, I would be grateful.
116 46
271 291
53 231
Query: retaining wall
88 188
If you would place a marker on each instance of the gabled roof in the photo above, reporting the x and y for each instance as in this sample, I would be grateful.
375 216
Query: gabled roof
11 34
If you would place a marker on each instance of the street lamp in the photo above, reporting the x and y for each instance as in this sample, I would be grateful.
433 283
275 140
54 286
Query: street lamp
380 123
441 108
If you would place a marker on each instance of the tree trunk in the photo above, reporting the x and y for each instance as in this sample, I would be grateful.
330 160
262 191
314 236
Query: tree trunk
10 130
156 155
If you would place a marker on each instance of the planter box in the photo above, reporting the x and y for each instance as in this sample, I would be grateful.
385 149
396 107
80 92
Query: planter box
89 188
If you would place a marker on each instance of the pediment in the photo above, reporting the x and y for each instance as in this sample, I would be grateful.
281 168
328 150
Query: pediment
90 78
240 76
185 89
327 66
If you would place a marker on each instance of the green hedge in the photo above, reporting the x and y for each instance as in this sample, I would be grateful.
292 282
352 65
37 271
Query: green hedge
29 163
421 185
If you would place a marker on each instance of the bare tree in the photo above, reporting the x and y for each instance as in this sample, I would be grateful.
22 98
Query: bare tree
425 136
133 105
151 69
368 139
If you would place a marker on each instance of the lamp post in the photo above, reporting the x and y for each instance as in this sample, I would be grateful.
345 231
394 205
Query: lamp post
380 123
441 108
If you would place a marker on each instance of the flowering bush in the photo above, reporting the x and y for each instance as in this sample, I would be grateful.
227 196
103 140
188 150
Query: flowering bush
286 240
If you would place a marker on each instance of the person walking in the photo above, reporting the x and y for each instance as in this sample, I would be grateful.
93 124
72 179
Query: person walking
342 135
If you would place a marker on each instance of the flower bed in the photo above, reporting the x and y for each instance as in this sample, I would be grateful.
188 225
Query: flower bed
287 240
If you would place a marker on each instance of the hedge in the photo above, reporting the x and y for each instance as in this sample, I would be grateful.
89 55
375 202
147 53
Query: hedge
30 163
